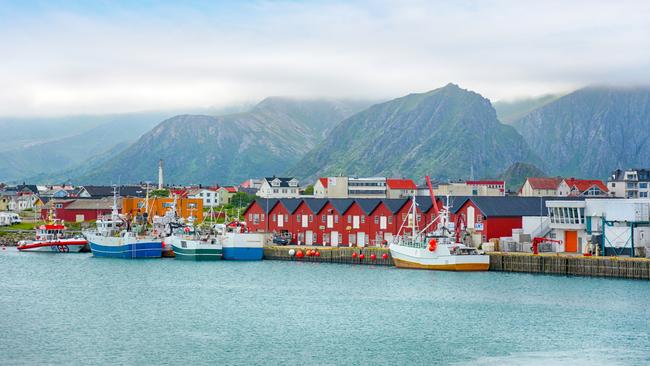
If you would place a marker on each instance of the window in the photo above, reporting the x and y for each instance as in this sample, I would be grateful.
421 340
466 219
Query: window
390 219
192 205
643 194
58 205
349 219
336 219
256 219
298 217
286 218
250 217
311 218
273 217
323 219
262 217
643 185
376 220
363 219
479 218
209 200
352 238
275 191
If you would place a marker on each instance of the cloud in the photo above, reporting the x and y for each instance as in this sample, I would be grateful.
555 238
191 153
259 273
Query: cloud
121 58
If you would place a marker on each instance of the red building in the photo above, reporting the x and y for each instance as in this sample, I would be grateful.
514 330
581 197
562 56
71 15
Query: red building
78 209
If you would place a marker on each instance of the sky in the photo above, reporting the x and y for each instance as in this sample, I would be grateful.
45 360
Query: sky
69 57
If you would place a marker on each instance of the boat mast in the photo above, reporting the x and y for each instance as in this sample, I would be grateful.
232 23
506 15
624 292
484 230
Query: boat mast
413 217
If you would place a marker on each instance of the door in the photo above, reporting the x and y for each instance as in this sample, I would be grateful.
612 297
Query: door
382 223
571 241
280 220
335 239
305 221
309 237
361 239
470 217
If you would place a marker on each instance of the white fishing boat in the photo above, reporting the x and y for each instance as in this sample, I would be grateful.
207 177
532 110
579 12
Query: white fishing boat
51 237
435 250
240 244
114 237
191 244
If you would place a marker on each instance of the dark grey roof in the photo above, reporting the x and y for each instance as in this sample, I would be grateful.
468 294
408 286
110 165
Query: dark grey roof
424 203
315 204
22 188
394 204
266 204
107 191
284 181
341 204
291 204
619 174
368 204
509 206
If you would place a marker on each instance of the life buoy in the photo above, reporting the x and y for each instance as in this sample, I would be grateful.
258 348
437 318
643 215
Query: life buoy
433 244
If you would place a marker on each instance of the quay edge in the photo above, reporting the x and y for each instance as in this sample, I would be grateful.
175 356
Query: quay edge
558 264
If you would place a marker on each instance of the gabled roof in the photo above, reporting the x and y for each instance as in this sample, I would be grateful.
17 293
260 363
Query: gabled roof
284 181
341 204
584 184
368 205
401 184
315 204
104 203
323 181
544 183
266 204
395 204
107 191
291 204
424 203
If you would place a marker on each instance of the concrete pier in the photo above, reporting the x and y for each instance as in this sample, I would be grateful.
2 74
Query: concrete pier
559 264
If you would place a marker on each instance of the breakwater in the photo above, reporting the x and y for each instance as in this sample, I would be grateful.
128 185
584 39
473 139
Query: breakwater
558 264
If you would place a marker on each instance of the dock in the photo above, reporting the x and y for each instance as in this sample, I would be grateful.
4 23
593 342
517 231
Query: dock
554 264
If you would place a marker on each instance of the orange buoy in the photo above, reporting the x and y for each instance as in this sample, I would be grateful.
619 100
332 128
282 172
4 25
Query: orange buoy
433 244
373 256
308 253
354 255
385 255
361 256
317 254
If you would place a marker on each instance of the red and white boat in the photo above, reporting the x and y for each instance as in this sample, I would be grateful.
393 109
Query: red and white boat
51 238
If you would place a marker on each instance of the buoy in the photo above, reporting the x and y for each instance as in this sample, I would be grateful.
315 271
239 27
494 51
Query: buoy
373 256
4 247
309 253
299 254
433 244
354 255
317 254
361 256
385 255
292 252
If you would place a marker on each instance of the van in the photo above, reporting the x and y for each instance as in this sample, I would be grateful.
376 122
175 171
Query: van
9 218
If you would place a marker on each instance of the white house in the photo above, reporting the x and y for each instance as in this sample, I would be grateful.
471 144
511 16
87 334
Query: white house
630 183
278 187
208 195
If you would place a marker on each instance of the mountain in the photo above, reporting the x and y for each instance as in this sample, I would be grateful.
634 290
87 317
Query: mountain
47 146
591 131
510 111
517 173
447 133
225 149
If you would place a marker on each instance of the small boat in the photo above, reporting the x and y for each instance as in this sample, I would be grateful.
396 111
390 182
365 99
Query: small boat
239 244
51 238
114 237
436 250
189 243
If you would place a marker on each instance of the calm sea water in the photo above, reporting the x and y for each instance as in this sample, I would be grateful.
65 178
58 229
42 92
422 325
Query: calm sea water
76 309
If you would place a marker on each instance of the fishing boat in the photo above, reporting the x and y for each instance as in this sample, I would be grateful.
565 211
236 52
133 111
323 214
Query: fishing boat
239 244
115 237
51 237
435 250
191 244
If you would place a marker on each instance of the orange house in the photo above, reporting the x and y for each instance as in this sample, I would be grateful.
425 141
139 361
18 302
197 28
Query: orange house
186 207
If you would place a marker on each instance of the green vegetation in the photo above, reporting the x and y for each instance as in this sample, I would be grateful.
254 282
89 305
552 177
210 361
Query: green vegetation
516 175
160 193
309 190
238 203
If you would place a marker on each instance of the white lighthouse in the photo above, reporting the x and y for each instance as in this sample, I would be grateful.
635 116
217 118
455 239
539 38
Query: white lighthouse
160 174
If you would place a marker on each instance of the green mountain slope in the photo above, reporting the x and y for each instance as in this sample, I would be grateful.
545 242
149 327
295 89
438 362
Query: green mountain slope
226 149
591 132
517 173
510 111
447 133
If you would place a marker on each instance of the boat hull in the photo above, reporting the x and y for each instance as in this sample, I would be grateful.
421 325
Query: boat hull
417 258
117 247
243 246
196 250
56 246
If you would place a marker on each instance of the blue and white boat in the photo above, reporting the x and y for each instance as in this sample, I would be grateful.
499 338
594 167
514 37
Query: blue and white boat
240 245
114 238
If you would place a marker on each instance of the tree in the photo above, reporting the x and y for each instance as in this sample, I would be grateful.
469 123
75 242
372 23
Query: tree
309 190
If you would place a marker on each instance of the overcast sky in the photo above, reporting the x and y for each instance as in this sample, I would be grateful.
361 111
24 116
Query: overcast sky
67 58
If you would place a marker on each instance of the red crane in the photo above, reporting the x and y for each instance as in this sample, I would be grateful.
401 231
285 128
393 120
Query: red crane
537 241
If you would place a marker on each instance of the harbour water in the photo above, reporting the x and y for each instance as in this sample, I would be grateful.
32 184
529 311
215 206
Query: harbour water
76 309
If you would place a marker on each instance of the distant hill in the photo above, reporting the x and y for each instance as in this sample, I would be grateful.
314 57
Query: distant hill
516 174
590 132
225 149
447 133
510 111
47 146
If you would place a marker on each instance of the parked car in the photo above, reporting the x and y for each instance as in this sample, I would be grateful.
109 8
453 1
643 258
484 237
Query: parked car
279 240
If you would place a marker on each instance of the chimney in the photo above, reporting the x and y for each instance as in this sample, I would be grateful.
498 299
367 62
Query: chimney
160 174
